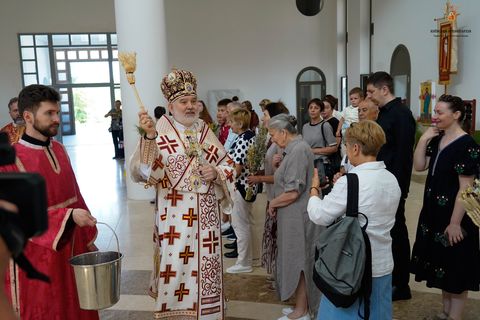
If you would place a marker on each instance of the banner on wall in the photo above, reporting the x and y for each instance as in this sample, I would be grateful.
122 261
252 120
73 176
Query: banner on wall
447 44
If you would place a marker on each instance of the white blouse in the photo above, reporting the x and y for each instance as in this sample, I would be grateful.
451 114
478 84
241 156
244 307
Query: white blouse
378 199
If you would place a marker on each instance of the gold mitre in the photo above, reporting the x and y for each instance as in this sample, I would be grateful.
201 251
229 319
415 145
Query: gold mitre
179 83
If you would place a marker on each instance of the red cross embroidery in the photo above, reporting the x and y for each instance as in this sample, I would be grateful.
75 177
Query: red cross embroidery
181 291
211 242
230 162
164 308
174 196
194 308
190 217
194 273
169 145
163 217
164 182
212 154
158 163
171 235
186 254
228 174
168 273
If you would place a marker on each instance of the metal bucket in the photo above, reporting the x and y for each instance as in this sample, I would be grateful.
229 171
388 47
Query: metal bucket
97 275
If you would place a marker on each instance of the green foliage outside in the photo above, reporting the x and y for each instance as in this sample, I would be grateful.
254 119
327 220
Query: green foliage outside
80 106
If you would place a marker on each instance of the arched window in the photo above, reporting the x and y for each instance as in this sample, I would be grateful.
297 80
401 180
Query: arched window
400 70
310 84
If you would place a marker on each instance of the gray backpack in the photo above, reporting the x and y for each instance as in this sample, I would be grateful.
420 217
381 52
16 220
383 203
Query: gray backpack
343 257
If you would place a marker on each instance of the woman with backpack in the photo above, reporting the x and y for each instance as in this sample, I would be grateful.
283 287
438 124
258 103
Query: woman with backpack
378 197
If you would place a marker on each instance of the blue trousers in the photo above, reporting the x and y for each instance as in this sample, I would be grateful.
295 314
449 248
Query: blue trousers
380 304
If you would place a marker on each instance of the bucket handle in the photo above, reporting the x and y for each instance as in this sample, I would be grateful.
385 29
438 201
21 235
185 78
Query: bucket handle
116 238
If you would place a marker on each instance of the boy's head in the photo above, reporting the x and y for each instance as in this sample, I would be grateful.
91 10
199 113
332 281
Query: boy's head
222 111
356 96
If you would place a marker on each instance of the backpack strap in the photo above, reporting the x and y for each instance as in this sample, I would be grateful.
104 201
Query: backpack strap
352 195
352 210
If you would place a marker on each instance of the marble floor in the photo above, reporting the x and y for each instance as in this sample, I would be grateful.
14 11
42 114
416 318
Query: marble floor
102 182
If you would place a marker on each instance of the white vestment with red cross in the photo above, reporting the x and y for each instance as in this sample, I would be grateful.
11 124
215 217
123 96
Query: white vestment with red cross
187 280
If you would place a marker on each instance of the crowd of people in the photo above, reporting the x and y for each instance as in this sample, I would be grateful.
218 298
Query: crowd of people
205 189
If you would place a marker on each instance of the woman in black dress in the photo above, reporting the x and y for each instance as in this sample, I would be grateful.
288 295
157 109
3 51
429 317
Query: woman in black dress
446 251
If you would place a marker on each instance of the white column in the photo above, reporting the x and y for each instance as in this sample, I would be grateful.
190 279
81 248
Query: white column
341 45
358 49
141 28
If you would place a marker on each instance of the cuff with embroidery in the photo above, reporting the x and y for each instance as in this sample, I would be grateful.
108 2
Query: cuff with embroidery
149 151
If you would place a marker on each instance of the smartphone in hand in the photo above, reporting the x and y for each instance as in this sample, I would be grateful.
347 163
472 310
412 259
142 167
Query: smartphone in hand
443 238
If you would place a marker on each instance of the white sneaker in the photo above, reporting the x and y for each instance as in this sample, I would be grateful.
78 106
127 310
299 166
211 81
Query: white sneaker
238 268
287 311
225 226
305 317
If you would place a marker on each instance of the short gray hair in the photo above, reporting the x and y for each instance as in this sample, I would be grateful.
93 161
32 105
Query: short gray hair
283 122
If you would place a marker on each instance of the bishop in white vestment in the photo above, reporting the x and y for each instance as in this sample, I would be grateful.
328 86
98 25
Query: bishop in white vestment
194 177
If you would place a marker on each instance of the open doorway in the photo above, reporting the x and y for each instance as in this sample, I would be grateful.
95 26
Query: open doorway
84 69
90 104
310 84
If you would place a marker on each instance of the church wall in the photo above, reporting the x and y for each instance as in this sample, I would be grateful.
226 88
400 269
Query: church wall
256 46
409 22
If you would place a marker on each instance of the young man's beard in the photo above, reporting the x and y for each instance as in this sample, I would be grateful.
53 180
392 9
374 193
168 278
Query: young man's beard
47 131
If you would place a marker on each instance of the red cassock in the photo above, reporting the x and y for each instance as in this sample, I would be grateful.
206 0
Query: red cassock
50 252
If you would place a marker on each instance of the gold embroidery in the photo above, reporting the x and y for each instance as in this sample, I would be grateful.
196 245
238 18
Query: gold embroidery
60 232
149 151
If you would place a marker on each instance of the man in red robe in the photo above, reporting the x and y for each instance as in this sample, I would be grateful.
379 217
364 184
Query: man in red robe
13 130
69 222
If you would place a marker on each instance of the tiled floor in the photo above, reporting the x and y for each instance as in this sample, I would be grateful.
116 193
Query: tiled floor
102 182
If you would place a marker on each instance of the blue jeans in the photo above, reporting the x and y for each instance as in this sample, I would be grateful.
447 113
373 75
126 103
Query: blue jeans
380 304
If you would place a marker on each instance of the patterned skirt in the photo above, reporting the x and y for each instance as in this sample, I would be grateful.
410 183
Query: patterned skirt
269 243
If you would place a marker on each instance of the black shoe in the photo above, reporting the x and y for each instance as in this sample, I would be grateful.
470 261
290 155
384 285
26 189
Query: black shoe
401 293
232 245
231 254
228 231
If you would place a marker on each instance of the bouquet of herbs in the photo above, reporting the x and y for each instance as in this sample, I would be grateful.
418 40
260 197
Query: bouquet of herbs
214 127
256 156
471 201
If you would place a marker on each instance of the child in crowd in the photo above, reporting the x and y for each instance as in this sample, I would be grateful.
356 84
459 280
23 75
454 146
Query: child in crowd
223 130
350 114
223 126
